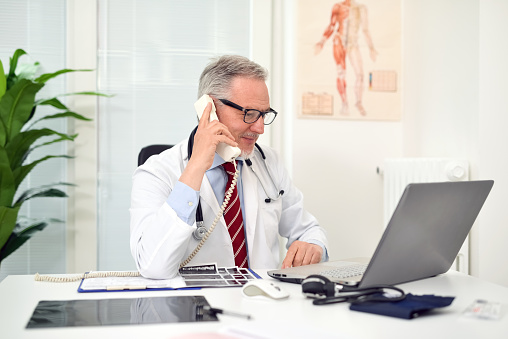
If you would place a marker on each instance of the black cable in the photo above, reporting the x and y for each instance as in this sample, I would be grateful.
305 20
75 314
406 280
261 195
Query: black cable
359 295
260 150
190 146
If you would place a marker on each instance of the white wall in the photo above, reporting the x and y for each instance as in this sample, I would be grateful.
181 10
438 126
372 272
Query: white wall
341 158
453 106
492 121
440 78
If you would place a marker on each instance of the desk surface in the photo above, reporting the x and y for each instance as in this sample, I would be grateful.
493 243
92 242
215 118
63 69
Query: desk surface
296 317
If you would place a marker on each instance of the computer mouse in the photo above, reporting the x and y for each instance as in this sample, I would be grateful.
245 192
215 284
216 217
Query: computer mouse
264 288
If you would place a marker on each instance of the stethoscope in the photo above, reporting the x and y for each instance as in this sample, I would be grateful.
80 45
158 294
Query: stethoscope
201 230
325 292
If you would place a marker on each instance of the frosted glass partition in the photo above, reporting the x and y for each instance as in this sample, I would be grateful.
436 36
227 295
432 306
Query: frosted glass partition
150 55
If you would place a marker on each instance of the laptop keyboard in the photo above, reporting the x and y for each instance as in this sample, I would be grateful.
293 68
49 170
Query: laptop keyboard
345 271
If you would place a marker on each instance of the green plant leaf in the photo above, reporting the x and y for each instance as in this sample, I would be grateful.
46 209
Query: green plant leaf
53 102
21 172
3 88
16 106
48 193
45 77
67 114
19 236
27 71
3 81
14 62
8 216
42 191
7 182
88 93
3 133
18 138
68 137
19 147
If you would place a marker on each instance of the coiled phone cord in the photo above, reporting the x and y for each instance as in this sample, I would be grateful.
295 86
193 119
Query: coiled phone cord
78 277
227 196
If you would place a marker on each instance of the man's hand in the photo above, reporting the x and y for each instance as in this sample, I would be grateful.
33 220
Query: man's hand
208 135
302 253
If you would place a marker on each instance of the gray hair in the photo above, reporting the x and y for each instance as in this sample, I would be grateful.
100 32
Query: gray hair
218 75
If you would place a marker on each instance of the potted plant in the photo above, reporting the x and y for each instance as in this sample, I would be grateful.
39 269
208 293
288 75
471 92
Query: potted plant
19 136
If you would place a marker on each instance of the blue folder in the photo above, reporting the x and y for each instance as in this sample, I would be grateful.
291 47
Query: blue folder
234 280
411 307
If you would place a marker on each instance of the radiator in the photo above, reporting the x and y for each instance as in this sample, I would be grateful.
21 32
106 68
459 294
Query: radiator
399 172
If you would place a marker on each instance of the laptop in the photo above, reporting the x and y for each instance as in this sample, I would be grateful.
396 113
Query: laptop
422 239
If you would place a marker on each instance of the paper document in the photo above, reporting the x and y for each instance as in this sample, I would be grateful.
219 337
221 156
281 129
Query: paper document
129 283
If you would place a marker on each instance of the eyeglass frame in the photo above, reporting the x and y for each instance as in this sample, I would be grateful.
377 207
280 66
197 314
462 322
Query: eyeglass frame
246 110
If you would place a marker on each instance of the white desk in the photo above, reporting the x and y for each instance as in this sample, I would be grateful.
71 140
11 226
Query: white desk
19 296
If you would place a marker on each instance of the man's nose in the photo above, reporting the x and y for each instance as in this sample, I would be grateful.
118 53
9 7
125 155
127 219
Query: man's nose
258 127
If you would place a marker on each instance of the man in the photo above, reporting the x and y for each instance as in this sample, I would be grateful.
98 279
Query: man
347 18
168 187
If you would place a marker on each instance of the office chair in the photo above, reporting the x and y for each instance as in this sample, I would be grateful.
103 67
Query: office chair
147 151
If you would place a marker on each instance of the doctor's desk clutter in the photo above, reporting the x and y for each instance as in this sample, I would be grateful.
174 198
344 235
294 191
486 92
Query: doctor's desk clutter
263 289
387 300
483 309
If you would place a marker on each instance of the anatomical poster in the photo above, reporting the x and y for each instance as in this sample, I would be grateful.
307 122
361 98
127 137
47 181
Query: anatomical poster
349 59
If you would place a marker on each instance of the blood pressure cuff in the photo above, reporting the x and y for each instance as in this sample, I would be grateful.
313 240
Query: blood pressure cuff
411 307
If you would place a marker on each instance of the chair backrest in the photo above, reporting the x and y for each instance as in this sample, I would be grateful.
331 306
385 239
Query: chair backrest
147 151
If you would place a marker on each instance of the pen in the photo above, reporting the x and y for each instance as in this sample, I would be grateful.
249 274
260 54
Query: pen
128 287
214 310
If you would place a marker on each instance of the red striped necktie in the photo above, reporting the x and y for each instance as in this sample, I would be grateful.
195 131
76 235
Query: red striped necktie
234 220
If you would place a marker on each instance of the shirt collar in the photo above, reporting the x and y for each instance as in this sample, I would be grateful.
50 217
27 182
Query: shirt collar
218 161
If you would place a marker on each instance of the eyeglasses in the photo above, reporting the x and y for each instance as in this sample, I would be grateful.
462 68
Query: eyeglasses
250 116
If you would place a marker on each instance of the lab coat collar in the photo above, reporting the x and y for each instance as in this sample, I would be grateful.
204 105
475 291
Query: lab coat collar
218 161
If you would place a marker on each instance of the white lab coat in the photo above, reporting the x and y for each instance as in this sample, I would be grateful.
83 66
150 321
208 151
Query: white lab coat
160 240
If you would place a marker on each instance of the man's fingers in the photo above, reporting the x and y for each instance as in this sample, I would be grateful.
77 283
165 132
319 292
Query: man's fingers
227 140
205 117
288 260
307 259
299 256
302 253
215 127
315 257
294 255
224 131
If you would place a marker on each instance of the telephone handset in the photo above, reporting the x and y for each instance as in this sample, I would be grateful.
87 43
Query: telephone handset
226 152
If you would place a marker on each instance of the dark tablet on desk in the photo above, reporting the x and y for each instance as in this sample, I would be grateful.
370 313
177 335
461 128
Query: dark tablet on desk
103 312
